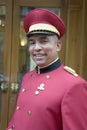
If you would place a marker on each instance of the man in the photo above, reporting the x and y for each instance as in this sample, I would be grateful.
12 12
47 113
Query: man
52 96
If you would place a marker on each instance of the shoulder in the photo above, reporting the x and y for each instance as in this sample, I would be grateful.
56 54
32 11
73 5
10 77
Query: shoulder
77 89
70 70
77 85
69 74
69 79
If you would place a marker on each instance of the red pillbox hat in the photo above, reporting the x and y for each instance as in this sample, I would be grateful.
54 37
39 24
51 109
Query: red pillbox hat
42 21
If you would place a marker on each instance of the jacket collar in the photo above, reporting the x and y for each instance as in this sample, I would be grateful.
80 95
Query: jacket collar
52 66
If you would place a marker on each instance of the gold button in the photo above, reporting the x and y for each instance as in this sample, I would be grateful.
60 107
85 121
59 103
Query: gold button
13 127
29 112
32 75
36 92
47 76
23 90
17 108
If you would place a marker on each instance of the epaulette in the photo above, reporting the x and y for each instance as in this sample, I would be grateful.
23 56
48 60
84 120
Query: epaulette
70 70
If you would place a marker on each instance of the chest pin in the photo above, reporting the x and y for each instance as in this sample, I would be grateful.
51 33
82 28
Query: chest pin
40 88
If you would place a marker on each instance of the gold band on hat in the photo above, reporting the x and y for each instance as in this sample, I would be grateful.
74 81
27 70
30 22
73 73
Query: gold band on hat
42 26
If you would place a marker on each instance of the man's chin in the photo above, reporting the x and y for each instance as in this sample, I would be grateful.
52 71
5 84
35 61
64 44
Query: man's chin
40 64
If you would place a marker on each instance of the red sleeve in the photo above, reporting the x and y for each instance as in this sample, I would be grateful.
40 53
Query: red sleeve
74 108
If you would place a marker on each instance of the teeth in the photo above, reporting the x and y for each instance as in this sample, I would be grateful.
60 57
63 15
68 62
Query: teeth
38 55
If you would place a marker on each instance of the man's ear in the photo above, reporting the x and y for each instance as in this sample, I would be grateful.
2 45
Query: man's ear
59 44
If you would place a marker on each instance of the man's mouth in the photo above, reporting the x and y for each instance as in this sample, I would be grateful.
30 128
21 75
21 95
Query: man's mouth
39 56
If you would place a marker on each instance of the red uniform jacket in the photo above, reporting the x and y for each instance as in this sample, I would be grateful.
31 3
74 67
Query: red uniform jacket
56 100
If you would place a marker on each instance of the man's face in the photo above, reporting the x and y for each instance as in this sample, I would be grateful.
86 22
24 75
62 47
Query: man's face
44 48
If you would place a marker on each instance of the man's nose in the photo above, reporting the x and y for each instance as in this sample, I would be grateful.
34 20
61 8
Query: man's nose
37 46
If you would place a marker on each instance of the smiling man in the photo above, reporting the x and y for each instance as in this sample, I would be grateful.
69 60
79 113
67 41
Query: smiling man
52 96
44 48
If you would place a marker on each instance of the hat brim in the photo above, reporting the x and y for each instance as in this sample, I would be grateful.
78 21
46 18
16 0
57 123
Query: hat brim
40 32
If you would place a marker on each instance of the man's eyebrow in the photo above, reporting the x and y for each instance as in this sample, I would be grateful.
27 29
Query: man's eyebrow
44 37
30 38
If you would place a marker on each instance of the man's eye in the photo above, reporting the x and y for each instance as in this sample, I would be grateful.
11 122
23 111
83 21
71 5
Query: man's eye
44 41
31 42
